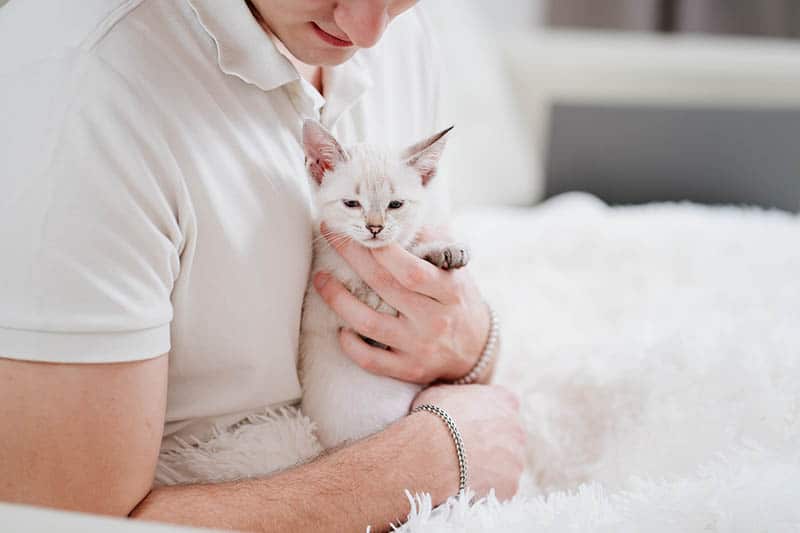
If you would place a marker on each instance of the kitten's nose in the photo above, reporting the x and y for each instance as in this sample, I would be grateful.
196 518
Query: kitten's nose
374 229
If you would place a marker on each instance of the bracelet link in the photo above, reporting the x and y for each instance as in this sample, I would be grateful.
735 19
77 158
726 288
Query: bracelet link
457 440
488 351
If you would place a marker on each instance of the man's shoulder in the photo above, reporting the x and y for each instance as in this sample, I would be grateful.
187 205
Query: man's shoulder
87 80
97 54
30 35
120 32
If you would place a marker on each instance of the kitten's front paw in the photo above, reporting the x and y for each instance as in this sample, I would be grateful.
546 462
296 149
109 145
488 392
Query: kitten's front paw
446 256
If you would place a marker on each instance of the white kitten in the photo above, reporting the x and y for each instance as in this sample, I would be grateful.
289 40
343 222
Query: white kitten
373 197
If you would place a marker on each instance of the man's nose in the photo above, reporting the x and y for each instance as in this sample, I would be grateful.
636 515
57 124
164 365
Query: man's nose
362 20
374 229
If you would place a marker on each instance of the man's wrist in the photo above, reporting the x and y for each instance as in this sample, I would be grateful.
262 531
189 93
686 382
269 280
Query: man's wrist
480 367
436 456
458 441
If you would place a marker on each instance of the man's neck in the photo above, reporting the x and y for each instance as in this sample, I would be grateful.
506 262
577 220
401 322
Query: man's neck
311 73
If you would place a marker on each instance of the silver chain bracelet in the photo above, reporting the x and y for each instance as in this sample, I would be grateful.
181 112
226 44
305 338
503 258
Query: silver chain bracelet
457 440
488 351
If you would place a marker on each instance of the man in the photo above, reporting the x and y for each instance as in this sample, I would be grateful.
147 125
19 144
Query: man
154 226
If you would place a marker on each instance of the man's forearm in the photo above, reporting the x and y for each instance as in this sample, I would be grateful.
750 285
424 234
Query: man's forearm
346 490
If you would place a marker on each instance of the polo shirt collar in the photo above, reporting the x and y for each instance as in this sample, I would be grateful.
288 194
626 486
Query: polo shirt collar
243 49
344 86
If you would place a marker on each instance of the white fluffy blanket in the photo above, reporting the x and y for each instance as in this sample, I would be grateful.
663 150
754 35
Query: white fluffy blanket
657 353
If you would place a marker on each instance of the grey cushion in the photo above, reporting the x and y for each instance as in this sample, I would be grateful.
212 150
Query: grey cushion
626 154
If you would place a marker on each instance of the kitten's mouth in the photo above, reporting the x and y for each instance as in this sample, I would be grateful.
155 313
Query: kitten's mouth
374 242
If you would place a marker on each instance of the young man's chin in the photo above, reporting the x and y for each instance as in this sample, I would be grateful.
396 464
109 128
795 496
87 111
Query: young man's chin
323 56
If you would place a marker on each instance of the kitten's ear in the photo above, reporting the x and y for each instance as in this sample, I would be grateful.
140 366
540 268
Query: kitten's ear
322 150
424 156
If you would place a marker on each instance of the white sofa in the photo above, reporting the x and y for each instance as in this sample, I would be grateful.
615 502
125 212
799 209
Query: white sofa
650 69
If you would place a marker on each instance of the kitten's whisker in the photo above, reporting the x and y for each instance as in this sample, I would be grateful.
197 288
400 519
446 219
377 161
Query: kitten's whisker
327 235
341 240
332 238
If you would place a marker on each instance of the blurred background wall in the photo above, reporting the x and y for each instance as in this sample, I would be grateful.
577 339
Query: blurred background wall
631 100
775 18
511 14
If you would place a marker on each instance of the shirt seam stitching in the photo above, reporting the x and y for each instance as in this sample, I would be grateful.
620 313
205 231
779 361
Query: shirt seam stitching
107 24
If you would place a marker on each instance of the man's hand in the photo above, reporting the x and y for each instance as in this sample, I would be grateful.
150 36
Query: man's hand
443 322
488 418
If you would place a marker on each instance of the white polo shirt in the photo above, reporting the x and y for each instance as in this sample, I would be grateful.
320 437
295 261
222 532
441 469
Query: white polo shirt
152 191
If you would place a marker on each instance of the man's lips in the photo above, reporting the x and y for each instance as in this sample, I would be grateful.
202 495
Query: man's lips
330 39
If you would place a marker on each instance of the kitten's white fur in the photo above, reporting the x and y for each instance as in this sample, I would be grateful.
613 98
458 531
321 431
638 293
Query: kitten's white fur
345 401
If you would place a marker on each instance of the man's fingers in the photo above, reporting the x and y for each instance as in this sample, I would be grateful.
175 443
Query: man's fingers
376 276
383 328
414 273
376 360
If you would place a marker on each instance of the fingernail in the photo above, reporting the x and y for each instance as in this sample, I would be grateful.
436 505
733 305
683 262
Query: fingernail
320 279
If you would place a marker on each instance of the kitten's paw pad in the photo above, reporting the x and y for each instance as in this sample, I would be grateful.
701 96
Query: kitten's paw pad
448 257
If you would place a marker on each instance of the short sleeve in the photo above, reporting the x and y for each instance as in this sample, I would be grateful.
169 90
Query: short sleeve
89 231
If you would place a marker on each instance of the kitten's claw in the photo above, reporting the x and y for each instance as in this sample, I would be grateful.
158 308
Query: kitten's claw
448 257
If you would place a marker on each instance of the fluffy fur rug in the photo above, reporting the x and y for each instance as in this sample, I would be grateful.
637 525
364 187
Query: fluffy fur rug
657 353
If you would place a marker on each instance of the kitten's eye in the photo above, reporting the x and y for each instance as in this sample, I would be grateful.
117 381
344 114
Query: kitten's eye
395 204
351 203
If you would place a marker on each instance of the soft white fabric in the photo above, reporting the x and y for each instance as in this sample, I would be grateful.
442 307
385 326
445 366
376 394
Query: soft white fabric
655 349
153 197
